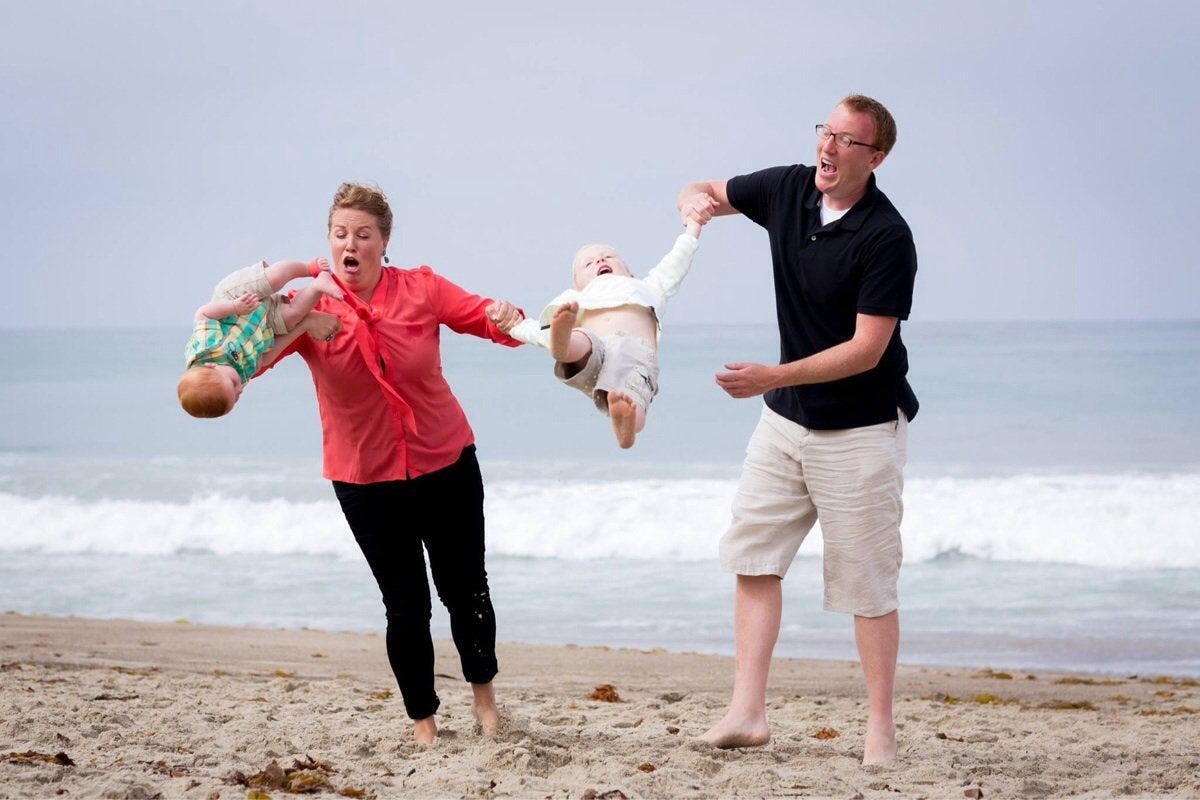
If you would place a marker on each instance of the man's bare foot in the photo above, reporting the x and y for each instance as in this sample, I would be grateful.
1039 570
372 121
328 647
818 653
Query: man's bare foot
324 283
425 730
731 732
561 326
484 708
623 414
880 744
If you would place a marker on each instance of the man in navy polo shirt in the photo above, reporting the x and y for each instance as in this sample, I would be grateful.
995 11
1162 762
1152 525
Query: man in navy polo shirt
831 442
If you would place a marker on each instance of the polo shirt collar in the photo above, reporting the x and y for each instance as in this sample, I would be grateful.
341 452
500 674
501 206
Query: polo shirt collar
858 213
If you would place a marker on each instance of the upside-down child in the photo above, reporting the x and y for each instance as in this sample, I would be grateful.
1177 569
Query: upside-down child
234 333
603 334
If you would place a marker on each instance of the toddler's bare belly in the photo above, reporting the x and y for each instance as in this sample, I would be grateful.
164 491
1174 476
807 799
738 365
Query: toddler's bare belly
634 320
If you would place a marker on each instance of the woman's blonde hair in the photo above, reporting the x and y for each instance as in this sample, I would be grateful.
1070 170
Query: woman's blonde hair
201 393
363 197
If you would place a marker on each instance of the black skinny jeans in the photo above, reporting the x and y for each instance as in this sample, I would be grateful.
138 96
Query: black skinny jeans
443 511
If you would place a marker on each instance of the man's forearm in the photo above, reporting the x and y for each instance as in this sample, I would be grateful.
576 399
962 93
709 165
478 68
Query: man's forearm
715 191
860 353
840 361
691 190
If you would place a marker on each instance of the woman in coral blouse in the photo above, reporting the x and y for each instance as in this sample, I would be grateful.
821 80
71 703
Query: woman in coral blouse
400 452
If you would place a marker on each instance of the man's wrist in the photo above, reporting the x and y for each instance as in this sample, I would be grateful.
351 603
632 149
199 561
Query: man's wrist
786 375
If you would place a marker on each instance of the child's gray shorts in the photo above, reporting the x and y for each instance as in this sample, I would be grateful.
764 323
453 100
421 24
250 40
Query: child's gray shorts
618 362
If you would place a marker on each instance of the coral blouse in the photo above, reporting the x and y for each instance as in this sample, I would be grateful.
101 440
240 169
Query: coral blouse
387 412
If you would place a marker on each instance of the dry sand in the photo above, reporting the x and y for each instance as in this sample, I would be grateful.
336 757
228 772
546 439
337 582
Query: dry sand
100 708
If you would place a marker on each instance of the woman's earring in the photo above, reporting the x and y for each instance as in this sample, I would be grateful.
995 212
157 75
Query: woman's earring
385 258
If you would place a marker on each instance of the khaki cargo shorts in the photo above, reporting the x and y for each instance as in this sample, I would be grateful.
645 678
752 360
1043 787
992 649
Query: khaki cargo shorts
851 480
253 279
618 362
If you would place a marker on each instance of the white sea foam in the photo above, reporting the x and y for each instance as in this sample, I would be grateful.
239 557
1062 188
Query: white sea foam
213 523
1110 521
1094 520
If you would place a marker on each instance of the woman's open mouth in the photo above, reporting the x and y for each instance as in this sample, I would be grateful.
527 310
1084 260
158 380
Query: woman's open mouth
350 263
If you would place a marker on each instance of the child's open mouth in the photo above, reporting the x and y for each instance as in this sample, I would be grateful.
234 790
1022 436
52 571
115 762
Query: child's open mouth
604 271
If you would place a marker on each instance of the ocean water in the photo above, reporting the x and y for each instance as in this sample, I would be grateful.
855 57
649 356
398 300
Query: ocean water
1052 497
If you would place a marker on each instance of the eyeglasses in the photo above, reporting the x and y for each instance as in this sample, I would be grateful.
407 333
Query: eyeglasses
843 139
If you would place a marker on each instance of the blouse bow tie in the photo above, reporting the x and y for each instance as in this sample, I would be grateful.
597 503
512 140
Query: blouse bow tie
367 338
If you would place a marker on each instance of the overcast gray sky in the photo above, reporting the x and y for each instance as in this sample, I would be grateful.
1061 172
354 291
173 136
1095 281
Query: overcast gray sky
1045 158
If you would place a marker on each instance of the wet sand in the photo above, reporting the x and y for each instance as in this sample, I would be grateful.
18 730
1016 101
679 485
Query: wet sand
111 708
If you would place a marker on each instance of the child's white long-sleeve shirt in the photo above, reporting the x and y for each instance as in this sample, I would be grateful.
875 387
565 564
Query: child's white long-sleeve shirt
611 291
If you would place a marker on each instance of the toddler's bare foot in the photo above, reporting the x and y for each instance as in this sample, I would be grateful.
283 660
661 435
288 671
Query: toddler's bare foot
425 731
324 283
245 304
623 414
561 326
733 732
880 744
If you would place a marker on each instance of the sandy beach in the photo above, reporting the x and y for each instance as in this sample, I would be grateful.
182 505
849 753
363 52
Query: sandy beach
103 708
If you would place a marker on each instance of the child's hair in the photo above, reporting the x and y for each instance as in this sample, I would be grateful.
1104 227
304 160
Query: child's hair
201 394
364 197
579 260
575 260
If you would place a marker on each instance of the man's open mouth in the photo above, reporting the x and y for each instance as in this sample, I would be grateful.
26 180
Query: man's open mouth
827 168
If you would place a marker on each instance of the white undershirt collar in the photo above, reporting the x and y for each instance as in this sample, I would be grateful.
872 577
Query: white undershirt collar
829 215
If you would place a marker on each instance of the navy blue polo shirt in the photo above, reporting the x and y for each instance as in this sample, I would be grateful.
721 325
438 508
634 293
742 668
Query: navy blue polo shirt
825 275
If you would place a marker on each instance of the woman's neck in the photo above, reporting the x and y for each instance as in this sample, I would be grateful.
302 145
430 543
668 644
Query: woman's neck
367 292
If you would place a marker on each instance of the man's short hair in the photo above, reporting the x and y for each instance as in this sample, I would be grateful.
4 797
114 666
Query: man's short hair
885 126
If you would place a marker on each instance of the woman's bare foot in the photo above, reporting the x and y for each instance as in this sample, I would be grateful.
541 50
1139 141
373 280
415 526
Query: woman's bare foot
561 325
733 732
623 414
880 744
324 283
484 708
425 730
